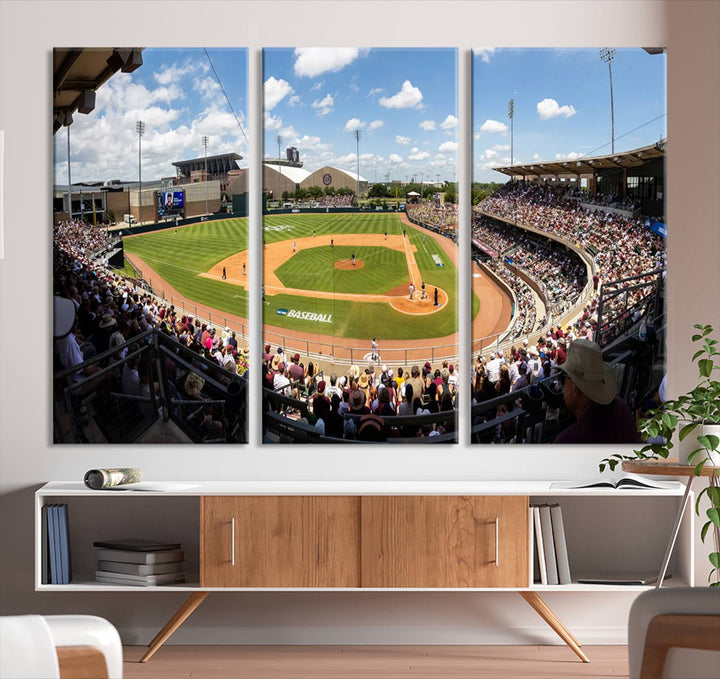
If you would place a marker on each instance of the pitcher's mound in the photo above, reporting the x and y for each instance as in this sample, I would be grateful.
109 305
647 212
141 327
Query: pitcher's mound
346 264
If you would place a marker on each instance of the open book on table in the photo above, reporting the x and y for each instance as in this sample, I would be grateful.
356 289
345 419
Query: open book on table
620 481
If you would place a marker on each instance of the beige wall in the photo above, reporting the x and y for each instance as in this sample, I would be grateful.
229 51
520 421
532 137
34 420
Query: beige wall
28 459
340 180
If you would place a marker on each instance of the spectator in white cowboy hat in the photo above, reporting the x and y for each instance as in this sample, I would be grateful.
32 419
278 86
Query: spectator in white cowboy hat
591 394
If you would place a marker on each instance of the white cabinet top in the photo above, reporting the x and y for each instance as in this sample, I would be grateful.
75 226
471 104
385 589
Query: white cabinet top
198 488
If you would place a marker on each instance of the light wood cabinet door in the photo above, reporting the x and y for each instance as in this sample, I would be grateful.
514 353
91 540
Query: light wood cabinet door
294 541
445 541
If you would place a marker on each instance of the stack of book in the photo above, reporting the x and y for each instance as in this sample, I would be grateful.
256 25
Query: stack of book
142 563
56 564
552 565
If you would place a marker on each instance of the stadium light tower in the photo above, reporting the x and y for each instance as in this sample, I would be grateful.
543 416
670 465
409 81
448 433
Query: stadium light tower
422 174
357 153
205 143
511 115
279 143
140 128
607 54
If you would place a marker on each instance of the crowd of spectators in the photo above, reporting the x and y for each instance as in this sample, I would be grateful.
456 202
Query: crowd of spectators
525 312
620 247
441 218
336 201
354 405
110 311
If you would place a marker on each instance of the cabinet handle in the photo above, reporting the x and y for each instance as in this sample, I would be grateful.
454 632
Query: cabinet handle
232 542
497 542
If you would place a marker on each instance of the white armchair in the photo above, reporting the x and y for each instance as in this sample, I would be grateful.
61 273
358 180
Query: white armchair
59 647
674 633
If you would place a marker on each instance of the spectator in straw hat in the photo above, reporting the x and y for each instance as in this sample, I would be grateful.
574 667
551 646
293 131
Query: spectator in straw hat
591 395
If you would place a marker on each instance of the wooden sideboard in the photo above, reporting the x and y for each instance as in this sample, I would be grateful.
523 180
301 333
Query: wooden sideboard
356 536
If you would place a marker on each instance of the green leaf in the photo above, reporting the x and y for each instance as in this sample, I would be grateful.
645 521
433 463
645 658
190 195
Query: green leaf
687 429
699 467
697 354
713 493
695 338
714 516
705 367
715 559
709 441
704 530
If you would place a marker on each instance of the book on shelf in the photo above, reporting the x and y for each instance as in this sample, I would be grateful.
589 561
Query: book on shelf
542 575
129 556
53 545
137 545
139 580
549 545
561 552
64 538
139 568
619 482
623 579
45 553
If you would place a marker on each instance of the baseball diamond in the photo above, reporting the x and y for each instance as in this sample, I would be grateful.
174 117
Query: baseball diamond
314 292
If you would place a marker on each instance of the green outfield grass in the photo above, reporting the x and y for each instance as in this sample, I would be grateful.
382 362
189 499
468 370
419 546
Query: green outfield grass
180 257
355 319
314 269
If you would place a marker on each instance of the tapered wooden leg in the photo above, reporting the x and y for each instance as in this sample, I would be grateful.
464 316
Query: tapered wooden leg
546 613
181 615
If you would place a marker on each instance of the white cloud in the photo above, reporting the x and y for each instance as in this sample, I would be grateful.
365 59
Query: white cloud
172 74
501 147
537 157
275 91
317 86
549 108
409 96
354 87
324 106
395 158
375 125
346 159
313 61
428 125
402 140
449 123
568 156
484 53
293 100
417 154
489 154
375 90
493 126
353 124
272 122
448 146
367 156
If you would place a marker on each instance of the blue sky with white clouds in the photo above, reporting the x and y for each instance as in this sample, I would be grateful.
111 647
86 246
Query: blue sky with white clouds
403 101
562 104
177 95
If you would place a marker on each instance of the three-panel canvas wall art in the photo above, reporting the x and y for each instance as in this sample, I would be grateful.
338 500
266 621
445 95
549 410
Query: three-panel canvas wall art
361 242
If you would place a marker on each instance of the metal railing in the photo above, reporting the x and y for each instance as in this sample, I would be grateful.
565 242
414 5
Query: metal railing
118 395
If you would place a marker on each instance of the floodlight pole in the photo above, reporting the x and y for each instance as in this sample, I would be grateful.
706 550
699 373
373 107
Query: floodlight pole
357 153
69 179
140 128
511 115
422 174
607 54
205 143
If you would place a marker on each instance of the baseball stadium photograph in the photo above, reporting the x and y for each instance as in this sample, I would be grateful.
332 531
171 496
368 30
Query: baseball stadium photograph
150 209
568 236
360 255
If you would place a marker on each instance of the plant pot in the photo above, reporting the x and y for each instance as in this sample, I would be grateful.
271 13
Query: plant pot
691 443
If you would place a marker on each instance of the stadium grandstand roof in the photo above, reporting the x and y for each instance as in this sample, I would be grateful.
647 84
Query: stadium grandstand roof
220 164
355 176
588 166
295 174
79 72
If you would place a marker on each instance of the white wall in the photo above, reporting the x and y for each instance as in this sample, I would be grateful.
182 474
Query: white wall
29 30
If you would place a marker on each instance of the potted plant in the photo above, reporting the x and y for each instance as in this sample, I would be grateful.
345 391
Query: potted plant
695 413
